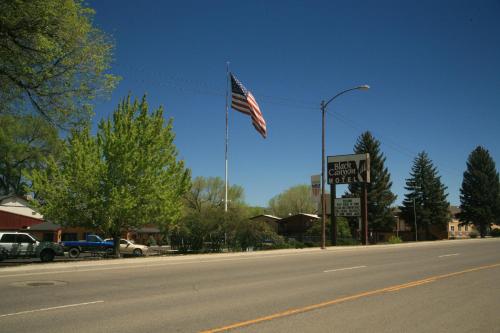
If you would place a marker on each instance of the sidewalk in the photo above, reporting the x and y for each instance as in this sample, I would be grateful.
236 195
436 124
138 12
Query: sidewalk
142 261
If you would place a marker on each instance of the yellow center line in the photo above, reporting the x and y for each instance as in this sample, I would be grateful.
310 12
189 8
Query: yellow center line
345 299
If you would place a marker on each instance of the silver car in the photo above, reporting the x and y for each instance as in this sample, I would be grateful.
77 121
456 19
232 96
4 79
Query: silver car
130 248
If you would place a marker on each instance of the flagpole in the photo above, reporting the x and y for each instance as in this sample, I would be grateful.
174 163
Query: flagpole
227 133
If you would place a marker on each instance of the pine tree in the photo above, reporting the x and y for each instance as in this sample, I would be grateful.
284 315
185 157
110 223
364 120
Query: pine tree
426 197
479 195
380 196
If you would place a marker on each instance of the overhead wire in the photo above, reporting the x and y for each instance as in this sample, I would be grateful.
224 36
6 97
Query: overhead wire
200 87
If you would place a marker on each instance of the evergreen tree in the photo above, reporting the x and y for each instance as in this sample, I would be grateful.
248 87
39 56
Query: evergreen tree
380 196
426 197
479 195
126 177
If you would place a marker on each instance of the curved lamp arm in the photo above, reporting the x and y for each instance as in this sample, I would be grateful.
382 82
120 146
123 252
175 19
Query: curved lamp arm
363 87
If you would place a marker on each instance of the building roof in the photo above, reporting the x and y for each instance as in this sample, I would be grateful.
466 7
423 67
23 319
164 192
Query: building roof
45 226
314 216
18 205
454 210
300 216
265 217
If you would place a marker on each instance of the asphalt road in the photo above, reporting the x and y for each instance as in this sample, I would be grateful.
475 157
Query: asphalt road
447 286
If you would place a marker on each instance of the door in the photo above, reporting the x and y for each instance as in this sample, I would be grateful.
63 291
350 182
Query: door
9 243
125 247
26 245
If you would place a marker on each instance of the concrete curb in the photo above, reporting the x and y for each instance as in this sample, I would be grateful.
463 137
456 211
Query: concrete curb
217 256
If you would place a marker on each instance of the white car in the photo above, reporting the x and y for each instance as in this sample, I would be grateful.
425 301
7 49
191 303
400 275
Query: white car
129 247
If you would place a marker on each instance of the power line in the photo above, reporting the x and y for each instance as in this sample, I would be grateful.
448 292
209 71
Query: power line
191 86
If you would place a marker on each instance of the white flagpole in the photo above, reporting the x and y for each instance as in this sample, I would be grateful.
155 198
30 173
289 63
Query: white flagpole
227 132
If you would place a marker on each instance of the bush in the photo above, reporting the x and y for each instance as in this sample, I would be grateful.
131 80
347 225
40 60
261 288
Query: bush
347 241
293 243
495 233
473 234
394 240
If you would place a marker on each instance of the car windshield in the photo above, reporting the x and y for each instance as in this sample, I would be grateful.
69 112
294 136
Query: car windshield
94 238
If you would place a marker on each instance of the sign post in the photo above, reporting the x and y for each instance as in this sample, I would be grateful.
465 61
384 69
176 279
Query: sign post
348 169
333 217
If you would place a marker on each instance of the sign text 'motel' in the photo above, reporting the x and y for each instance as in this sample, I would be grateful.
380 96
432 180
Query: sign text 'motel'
348 169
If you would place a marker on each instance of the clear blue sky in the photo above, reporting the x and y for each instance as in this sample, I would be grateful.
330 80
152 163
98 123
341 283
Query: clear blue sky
434 69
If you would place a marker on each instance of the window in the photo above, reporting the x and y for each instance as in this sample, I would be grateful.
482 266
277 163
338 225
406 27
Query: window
466 228
93 238
70 236
48 236
123 242
8 238
452 228
459 228
25 239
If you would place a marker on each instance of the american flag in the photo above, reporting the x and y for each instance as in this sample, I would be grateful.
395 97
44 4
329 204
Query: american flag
244 102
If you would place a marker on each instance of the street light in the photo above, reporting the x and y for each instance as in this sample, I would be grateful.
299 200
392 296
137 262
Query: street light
323 205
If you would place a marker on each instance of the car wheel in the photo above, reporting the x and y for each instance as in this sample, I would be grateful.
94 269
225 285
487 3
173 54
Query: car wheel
137 252
47 256
74 252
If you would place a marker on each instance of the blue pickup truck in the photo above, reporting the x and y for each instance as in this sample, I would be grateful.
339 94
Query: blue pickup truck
93 244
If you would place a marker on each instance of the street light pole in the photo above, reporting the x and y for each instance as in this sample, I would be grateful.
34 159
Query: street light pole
323 203
415 188
415 220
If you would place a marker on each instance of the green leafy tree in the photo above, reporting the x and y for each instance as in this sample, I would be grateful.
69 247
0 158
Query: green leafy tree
295 200
126 177
205 226
258 235
344 232
210 193
52 59
428 194
480 191
380 196
24 143
204 223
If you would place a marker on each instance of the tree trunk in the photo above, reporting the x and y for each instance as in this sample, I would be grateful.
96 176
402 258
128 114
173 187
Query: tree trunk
116 240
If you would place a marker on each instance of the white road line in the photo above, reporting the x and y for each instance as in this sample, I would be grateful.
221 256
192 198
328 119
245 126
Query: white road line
51 308
448 255
343 269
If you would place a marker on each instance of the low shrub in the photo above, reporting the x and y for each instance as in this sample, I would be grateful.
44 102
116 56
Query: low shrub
347 241
473 234
495 233
295 243
394 240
